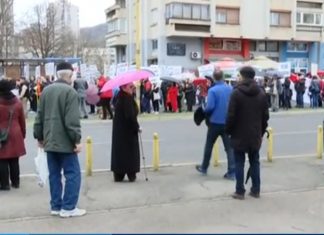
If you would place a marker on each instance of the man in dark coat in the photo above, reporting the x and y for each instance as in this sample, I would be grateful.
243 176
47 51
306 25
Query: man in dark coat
246 123
125 153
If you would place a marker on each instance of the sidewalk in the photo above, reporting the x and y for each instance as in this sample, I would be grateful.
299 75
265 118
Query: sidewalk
179 200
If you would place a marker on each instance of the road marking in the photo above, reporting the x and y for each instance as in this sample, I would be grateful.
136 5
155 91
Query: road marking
309 155
294 133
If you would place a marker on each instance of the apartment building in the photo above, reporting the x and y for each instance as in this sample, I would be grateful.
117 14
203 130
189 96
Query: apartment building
190 32
67 17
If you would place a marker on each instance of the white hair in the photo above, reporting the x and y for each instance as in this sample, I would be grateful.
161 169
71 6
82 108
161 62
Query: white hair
63 74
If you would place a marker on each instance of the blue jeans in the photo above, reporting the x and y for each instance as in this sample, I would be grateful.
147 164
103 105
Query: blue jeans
214 131
300 100
69 162
315 98
254 171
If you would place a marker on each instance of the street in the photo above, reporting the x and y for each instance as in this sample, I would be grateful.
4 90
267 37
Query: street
183 142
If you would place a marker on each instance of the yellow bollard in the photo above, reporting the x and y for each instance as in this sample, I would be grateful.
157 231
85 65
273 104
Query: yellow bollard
156 152
216 153
320 142
89 157
270 145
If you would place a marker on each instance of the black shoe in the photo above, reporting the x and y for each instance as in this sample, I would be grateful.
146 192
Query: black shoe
255 195
5 188
16 185
238 196
131 177
85 117
202 171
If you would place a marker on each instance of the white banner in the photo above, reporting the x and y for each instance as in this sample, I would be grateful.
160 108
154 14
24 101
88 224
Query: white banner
121 68
112 71
169 71
37 72
285 68
314 69
206 70
26 71
50 69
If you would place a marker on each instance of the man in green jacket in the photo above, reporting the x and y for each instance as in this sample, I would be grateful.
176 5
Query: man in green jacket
57 129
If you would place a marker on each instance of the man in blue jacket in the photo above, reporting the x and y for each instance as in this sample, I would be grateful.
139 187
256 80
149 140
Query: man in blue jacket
216 110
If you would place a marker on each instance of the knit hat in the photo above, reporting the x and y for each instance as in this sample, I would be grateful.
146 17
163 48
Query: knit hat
64 66
6 85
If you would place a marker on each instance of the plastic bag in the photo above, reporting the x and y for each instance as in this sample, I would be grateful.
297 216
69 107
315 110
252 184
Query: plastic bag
41 167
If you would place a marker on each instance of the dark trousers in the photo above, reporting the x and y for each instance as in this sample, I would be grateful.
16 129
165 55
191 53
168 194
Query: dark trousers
92 109
254 171
9 167
156 106
214 131
106 107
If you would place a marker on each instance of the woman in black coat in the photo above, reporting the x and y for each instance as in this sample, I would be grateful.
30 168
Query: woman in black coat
125 153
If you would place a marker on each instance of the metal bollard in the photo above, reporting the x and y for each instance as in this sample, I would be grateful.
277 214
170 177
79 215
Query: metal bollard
216 153
156 152
89 157
320 142
270 145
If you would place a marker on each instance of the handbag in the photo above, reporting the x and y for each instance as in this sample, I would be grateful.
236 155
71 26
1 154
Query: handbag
4 133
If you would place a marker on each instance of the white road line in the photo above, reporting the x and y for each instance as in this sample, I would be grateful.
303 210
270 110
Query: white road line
309 155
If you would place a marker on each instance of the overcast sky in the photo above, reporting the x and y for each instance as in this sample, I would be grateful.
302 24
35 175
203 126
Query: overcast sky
91 11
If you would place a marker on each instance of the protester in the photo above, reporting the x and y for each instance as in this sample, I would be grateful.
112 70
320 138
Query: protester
190 95
23 88
81 86
300 88
32 94
12 135
105 99
57 129
315 90
156 98
125 154
216 109
275 91
173 93
246 124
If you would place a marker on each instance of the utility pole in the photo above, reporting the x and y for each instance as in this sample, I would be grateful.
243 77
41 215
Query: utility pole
138 41
138 28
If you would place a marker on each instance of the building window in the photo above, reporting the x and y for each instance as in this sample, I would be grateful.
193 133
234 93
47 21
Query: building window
227 15
232 45
314 5
154 16
187 11
280 19
253 46
117 25
297 47
272 46
300 64
216 44
226 45
262 46
154 44
311 19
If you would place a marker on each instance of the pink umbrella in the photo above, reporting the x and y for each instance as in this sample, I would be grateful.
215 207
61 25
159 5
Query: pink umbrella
92 96
126 78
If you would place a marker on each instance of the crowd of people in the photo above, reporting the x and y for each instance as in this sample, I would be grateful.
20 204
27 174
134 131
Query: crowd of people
238 113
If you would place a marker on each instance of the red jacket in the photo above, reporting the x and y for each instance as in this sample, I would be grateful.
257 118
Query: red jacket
15 146
107 94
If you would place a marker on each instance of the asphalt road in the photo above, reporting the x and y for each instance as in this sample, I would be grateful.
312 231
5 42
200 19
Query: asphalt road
295 134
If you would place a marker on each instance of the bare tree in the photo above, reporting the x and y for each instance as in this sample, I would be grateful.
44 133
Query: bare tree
44 36
6 27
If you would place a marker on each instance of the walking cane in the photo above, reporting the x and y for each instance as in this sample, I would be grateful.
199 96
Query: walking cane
143 156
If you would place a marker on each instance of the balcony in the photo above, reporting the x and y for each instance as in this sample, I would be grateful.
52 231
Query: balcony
185 28
116 40
187 19
115 12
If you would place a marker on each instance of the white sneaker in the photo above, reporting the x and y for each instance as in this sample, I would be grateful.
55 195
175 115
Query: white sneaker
72 213
55 213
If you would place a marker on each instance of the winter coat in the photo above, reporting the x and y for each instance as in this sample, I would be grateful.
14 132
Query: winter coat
125 153
14 146
248 116
217 102
57 123
107 94
81 86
